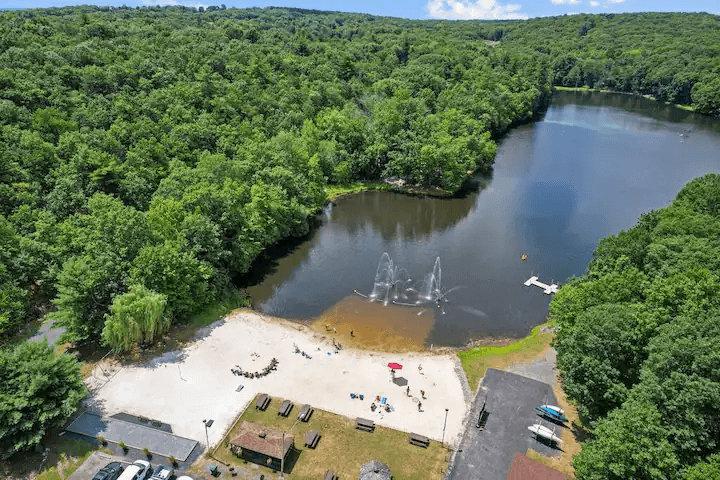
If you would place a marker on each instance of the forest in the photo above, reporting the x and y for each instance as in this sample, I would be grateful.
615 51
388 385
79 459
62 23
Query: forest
638 344
149 155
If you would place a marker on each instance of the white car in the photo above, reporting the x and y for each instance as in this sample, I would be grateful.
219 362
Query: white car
139 470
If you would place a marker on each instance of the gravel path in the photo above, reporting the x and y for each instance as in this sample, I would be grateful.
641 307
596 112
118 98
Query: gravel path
542 370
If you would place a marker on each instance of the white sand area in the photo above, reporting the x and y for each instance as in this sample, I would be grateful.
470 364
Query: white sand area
203 386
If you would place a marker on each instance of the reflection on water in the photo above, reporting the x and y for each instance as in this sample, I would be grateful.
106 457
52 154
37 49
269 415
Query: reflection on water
590 168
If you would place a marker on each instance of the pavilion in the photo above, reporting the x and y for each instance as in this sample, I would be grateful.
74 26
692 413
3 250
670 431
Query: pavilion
261 444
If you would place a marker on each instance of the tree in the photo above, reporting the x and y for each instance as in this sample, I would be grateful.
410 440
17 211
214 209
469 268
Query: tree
630 443
705 470
39 390
600 357
136 316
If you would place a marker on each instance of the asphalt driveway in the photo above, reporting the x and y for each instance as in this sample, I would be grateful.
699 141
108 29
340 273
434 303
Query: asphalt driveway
511 402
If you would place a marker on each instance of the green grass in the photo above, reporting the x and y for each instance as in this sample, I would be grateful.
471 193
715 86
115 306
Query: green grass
573 89
477 360
76 452
334 191
219 309
342 447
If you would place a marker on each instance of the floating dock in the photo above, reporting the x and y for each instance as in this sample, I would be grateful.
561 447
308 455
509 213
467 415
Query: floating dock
547 289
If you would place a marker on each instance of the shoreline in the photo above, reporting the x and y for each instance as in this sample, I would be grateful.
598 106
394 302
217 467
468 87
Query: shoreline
560 88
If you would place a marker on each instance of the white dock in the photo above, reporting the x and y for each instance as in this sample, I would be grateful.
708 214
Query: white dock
547 289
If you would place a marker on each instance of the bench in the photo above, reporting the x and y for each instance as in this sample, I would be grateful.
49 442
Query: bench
418 440
364 424
330 475
305 413
285 408
311 439
262 402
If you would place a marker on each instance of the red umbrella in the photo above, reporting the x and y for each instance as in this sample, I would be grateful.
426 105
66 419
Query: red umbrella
395 366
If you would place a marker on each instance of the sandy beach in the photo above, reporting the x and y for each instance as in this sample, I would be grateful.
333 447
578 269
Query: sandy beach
186 386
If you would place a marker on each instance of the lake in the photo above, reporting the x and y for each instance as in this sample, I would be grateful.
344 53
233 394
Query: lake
587 169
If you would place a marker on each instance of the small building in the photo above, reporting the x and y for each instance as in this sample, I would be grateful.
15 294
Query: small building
374 470
525 468
261 444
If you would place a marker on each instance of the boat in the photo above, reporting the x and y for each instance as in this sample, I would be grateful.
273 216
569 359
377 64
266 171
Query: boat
552 412
544 432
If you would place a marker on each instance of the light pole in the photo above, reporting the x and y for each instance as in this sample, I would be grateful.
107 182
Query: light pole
444 424
208 424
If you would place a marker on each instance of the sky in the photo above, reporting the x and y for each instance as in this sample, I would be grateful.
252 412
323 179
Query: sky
424 9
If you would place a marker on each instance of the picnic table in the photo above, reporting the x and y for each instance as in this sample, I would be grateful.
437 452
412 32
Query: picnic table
419 440
305 413
262 402
285 408
311 439
364 424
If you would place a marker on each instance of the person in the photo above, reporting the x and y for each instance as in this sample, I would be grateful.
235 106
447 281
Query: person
419 406
420 369
327 327
407 392
352 332
422 393
334 330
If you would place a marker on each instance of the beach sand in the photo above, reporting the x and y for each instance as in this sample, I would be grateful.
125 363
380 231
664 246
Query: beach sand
188 385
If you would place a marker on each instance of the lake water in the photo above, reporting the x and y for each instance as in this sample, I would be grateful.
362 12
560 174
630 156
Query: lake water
588 169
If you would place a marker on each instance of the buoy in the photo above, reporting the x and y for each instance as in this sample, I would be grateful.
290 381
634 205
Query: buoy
524 257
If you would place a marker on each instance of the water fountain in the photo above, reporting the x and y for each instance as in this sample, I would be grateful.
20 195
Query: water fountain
393 284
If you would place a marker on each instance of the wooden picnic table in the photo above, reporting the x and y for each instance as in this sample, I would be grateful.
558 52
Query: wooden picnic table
285 408
364 424
262 402
305 413
418 440
311 439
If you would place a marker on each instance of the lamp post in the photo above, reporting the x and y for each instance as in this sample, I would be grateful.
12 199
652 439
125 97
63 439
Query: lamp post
208 424
444 424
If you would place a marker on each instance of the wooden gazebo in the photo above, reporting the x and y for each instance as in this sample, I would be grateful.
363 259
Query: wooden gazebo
255 440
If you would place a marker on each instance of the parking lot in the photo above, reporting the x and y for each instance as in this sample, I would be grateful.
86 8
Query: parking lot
511 402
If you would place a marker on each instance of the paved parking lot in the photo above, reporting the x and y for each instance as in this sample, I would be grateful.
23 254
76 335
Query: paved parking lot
511 402
94 463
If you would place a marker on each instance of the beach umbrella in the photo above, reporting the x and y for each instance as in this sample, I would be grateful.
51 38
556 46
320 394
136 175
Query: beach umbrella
395 366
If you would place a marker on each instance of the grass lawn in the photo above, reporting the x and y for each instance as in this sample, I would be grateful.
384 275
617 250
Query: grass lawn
477 360
66 456
334 191
343 448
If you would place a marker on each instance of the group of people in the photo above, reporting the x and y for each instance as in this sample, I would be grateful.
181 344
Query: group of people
241 373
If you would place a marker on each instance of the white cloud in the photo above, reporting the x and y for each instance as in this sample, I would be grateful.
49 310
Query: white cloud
616 1
479 9
594 4
565 2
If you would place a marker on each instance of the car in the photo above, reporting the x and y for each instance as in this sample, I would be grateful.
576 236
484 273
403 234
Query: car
162 473
139 470
111 471
184 477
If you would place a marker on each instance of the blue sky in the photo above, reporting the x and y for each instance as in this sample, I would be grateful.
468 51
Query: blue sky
450 9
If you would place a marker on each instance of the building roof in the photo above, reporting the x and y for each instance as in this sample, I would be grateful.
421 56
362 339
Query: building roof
374 470
525 468
261 439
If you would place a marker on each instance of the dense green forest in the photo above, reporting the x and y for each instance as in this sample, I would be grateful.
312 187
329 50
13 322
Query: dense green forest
638 344
673 57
